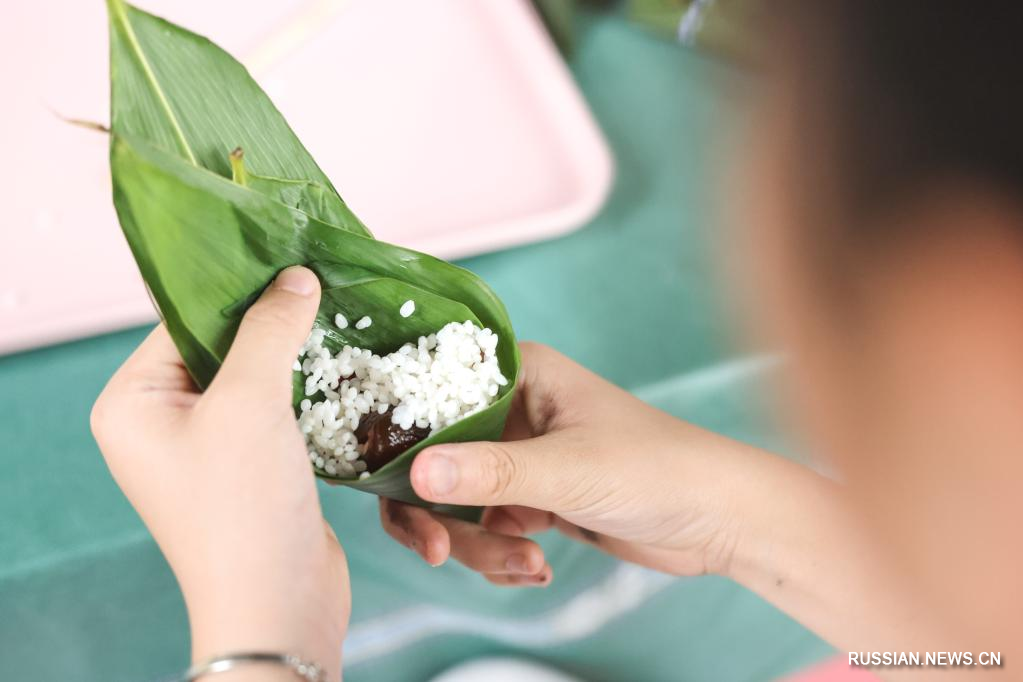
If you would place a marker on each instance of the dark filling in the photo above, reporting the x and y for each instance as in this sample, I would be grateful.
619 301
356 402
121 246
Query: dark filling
385 440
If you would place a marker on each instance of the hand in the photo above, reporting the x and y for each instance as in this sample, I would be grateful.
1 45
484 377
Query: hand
589 459
223 482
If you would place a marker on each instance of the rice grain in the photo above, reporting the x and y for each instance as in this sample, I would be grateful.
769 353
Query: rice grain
426 386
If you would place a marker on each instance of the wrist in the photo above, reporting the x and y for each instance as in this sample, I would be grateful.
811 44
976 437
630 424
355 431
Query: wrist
231 622
776 501
737 488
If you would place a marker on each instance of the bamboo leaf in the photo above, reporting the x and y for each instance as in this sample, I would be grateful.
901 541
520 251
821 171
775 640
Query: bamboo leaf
308 196
183 94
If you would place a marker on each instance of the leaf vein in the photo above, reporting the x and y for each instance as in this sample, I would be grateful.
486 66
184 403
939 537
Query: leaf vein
122 14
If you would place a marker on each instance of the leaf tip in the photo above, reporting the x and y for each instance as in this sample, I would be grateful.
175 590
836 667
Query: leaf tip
80 122
115 7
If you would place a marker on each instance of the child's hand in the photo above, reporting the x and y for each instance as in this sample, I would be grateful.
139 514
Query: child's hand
589 459
223 482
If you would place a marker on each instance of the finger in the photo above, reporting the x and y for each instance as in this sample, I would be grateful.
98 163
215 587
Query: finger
542 578
496 474
155 364
581 534
491 553
417 529
270 337
514 520
153 371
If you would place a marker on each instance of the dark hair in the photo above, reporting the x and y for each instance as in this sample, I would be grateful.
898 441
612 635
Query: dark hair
914 91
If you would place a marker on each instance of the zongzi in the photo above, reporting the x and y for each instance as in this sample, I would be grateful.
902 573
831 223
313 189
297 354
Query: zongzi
364 409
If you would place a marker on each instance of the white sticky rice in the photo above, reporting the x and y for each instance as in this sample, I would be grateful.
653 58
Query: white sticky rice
443 378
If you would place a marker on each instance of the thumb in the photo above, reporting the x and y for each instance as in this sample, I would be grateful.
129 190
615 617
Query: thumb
537 472
270 336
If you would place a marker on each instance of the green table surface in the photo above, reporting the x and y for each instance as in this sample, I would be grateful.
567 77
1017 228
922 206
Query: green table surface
85 594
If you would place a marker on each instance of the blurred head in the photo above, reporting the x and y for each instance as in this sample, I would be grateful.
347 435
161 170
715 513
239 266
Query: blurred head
884 235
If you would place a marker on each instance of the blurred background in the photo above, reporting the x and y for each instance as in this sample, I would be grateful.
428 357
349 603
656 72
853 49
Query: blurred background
568 152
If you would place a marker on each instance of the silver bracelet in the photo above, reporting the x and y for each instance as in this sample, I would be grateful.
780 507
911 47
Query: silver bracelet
304 670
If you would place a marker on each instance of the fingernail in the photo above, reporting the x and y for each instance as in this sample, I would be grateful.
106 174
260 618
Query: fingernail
541 579
442 475
296 280
516 563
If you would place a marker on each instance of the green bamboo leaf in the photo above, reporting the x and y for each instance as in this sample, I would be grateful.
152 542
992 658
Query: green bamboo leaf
377 293
207 247
183 94
308 196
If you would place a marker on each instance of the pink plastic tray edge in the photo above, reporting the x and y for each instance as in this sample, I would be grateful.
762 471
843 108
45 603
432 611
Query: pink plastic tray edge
594 162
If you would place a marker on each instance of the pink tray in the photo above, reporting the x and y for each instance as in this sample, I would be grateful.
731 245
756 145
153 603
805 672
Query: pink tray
449 126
